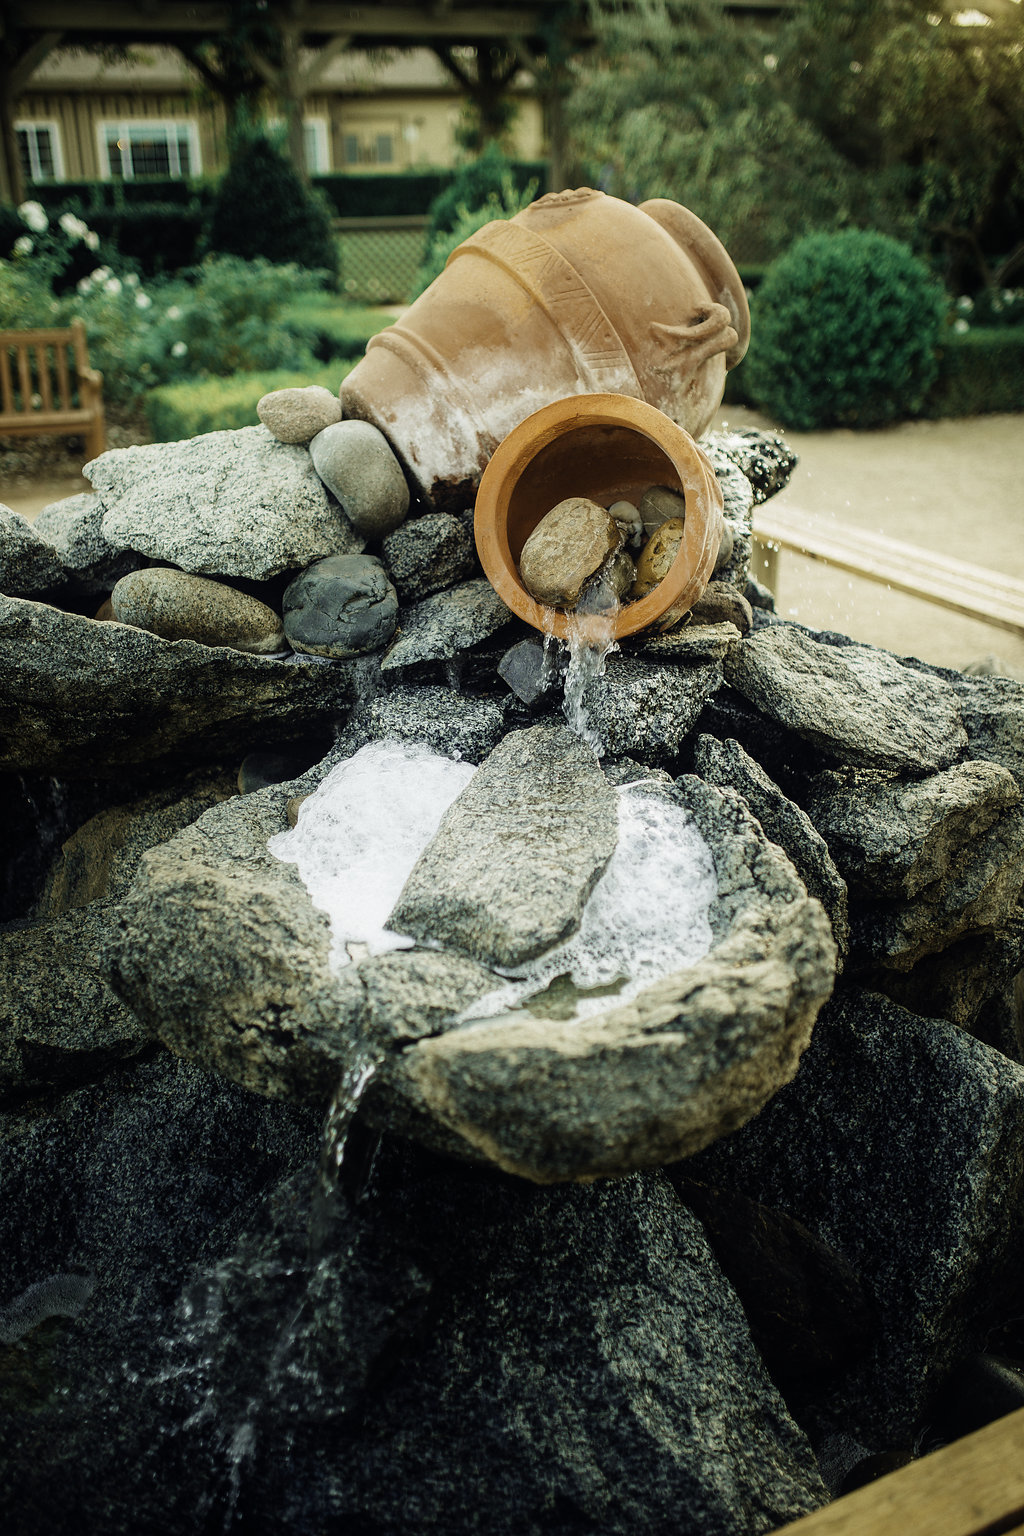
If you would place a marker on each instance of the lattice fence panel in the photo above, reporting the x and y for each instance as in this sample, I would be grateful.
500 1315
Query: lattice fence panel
379 266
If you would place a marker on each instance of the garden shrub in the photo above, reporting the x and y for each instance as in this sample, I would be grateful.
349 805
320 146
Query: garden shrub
844 332
333 329
505 203
176 411
158 238
263 208
981 370
475 184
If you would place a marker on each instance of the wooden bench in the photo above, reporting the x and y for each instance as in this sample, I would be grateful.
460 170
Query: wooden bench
974 1487
968 589
48 388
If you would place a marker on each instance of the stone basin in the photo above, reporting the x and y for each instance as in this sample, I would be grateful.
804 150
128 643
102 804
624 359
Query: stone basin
689 1059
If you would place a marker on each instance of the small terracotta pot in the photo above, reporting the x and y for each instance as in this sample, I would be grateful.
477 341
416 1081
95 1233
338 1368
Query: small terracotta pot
580 293
610 448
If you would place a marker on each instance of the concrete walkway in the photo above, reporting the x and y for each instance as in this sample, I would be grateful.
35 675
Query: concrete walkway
953 486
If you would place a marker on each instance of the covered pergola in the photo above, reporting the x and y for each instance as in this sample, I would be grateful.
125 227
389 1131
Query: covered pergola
483 48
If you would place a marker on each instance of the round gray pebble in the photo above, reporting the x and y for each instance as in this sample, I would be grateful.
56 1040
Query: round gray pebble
342 606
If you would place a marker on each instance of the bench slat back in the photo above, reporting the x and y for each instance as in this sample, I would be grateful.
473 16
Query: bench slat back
39 370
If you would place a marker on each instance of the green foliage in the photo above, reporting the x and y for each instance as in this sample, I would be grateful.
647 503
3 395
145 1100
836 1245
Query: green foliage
844 332
489 176
262 208
372 195
176 411
332 329
980 370
504 203
227 318
681 100
156 238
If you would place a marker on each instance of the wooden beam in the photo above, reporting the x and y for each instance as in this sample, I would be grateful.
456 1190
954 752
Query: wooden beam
974 1487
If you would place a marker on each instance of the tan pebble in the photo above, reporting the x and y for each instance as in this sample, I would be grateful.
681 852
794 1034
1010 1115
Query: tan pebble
297 415
657 556
292 808
567 546
105 612
721 603
179 606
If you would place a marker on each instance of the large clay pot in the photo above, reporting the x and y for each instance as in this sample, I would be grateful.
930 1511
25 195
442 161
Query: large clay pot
580 293
610 448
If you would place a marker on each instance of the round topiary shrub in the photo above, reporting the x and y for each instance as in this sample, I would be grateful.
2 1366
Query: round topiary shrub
263 208
844 332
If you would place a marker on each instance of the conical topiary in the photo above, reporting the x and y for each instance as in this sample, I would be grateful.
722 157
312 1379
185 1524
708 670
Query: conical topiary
263 208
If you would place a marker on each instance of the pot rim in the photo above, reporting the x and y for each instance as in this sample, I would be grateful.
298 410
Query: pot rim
691 570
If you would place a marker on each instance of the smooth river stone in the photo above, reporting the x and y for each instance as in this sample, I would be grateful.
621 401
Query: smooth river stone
658 505
567 546
342 606
178 606
657 556
517 854
356 462
297 415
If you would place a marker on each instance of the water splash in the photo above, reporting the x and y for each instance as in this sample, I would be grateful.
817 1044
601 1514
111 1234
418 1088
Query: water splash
591 640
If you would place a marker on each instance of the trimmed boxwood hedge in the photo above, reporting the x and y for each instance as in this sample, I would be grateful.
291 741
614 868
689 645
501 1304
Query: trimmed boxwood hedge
176 411
980 372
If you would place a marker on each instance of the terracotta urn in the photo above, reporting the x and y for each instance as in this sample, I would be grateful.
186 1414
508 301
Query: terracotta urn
609 448
581 293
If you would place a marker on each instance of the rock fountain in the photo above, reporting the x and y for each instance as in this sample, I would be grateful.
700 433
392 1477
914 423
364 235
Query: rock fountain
444 1090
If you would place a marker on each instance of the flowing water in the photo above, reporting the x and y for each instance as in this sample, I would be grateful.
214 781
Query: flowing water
590 642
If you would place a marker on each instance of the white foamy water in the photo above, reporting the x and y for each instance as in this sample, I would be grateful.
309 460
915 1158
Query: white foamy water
360 833
646 917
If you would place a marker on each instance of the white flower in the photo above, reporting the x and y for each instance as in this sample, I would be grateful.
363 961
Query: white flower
174 313
84 285
960 326
142 301
33 214
100 275
1008 296
112 285
179 349
92 240
74 227
131 280
23 245
964 304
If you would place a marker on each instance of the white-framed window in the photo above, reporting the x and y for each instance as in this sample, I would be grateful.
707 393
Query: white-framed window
370 144
149 147
316 143
39 149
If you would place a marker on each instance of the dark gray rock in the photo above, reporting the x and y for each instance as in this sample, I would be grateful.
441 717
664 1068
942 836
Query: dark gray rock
439 1288
963 982
179 606
688 644
893 838
648 1081
60 1021
644 710
517 854
766 459
429 553
733 563
726 763
235 503
98 861
342 606
899 1144
992 709
454 724
280 765
860 706
721 603
28 563
109 696
74 527
975 896
441 626
529 668
219 951
356 462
